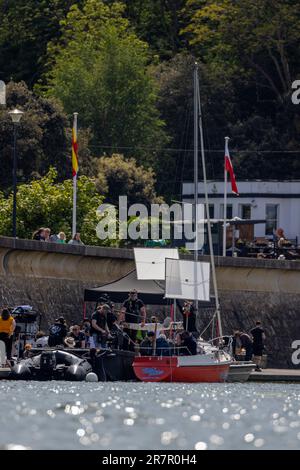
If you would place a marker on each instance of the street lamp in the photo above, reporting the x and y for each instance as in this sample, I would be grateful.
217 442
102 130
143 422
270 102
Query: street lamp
16 116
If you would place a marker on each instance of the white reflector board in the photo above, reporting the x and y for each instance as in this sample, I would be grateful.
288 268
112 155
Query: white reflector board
150 262
187 280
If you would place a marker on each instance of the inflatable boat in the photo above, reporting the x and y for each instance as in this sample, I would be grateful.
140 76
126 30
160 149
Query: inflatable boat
52 365
4 368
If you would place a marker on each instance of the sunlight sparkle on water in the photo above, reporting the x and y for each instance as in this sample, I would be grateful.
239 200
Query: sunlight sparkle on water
58 415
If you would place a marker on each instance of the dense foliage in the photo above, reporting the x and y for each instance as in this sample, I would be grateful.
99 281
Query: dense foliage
43 137
253 46
126 67
118 176
100 64
47 203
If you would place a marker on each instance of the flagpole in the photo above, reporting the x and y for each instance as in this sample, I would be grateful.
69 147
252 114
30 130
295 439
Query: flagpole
74 205
74 229
225 199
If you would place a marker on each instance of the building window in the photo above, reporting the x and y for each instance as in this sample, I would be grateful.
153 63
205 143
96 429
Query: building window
229 211
211 211
245 211
272 211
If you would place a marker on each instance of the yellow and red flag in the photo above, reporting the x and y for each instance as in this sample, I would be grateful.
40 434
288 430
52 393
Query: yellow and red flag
74 147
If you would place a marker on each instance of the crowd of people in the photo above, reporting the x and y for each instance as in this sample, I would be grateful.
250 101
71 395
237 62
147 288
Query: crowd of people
45 235
124 329
119 329
127 329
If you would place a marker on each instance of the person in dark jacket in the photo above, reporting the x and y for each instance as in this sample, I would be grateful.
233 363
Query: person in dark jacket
189 317
188 344
258 335
100 328
133 310
246 343
147 345
39 235
78 336
57 332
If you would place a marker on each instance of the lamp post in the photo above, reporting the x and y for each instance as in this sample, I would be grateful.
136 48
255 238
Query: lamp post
16 116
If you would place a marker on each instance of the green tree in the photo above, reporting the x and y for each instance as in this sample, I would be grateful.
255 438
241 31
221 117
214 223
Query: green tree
100 68
252 46
247 37
158 22
118 176
47 203
41 139
44 137
26 27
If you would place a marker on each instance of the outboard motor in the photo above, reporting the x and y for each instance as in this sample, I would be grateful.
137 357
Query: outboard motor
47 363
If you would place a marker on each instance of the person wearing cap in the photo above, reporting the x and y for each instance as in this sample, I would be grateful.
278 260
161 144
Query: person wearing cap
69 342
132 309
100 330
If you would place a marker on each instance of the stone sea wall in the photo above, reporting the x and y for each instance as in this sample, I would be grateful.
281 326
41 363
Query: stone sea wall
52 278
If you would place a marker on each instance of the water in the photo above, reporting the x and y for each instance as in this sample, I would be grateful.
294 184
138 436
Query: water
64 415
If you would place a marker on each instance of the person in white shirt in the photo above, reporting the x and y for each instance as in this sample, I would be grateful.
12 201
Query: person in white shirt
41 340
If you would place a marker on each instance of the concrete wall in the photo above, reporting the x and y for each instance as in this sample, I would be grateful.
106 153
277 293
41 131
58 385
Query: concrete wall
52 278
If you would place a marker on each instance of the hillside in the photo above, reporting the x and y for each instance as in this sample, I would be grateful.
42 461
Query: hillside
126 67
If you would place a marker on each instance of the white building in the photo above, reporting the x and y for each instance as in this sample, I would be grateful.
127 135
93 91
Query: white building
278 202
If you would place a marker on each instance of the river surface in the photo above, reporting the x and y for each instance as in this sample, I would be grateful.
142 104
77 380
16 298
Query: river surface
69 415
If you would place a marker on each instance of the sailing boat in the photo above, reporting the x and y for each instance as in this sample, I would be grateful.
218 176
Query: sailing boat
212 364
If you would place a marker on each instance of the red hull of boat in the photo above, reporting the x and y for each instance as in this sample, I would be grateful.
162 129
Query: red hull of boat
166 369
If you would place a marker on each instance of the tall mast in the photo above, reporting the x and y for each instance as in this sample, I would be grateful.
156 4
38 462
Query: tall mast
196 151
212 258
